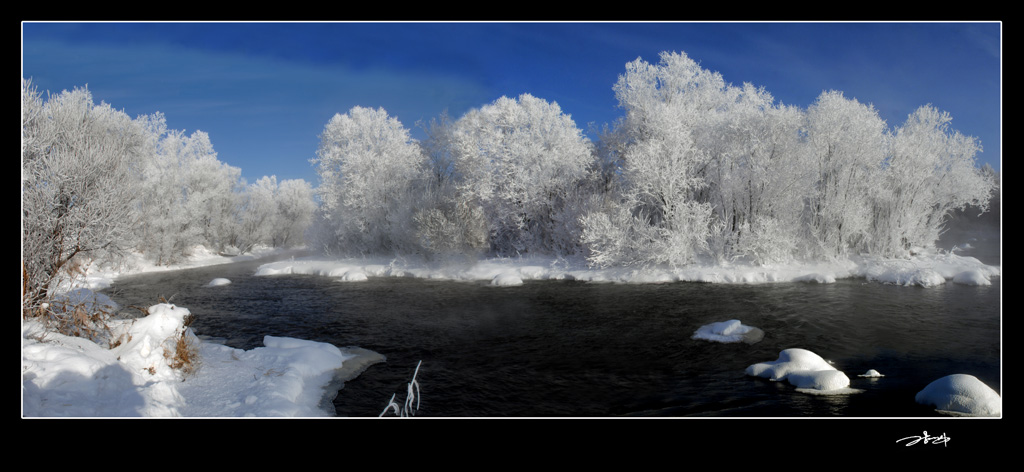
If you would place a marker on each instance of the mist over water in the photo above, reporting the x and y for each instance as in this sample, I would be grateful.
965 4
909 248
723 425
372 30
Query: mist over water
567 348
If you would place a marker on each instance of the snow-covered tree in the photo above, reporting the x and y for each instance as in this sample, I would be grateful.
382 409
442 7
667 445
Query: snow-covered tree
930 173
257 213
191 197
447 223
368 163
213 193
295 210
757 179
521 160
848 142
437 147
79 185
668 107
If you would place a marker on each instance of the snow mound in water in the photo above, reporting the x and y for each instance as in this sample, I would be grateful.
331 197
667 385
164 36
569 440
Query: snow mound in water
871 373
817 278
507 280
218 282
731 331
805 370
354 276
961 395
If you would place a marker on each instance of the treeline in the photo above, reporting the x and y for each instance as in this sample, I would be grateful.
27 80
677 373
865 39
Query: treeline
98 184
697 169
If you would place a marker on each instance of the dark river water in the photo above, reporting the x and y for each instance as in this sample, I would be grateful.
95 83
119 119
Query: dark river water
575 349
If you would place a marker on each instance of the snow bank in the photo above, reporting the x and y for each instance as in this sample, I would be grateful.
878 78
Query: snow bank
805 370
99 277
731 331
925 270
961 395
928 270
972 277
75 377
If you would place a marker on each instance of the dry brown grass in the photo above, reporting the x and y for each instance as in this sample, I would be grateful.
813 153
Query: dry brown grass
185 357
78 319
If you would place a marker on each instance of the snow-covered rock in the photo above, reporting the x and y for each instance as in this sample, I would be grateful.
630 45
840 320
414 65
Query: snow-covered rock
819 380
962 395
817 278
354 276
507 280
218 282
730 331
805 370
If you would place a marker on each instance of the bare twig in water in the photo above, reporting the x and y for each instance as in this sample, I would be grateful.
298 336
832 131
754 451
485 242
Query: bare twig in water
407 409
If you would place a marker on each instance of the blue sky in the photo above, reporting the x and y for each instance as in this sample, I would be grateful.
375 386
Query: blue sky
264 91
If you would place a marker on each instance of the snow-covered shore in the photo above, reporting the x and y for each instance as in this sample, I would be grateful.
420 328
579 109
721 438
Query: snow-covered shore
922 270
67 376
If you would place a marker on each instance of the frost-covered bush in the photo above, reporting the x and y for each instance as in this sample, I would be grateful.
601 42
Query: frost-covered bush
451 229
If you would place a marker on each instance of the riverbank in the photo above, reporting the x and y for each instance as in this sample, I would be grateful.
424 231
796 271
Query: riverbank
67 376
126 370
926 270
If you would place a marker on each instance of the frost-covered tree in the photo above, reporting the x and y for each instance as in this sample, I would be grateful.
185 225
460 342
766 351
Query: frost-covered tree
448 225
275 214
295 210
257 213
368 163
521 160
79 185
703 167
213 194
757 179
165 230
661 219
848 144
437 147
191 197
931 172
